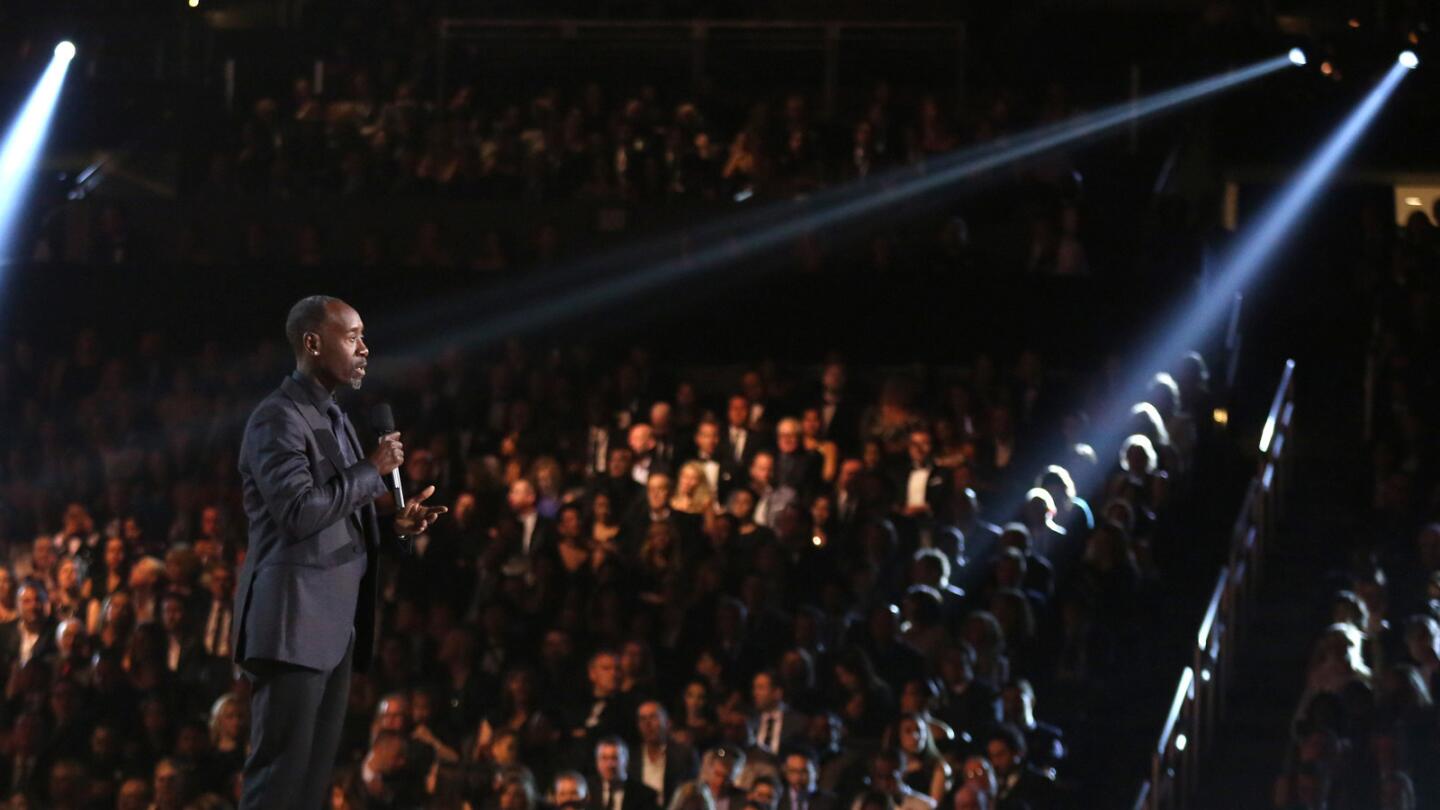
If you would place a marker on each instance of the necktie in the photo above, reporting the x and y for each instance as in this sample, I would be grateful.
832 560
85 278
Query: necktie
342 436
610 797
767 732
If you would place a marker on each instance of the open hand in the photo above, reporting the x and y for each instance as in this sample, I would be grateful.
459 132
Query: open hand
416 517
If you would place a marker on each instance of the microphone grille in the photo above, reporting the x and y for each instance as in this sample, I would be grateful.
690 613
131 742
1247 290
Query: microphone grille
382 419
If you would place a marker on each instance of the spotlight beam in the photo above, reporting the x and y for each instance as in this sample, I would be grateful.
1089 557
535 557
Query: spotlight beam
753 234
1250 252
26 136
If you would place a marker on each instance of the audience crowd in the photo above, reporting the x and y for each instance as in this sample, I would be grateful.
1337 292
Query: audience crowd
1365 732
656 587
373 135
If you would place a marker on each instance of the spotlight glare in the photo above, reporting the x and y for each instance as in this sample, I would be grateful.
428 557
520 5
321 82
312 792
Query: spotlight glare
1409 60
1414 202
1297 57
1253 250
613 277
194 3
1326 68
25 139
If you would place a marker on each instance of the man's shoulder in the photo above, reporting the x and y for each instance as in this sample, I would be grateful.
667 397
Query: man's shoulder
277 408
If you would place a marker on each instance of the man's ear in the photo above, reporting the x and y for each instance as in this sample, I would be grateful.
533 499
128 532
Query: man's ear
311 342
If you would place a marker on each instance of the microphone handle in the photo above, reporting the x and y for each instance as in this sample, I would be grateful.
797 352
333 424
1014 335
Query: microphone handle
399 490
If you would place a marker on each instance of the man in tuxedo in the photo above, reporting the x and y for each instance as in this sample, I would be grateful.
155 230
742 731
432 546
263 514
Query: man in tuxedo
839 414
31 635
306 597
795 466
617 483
969 706
931 567
220 613
641 439
1044 742
714 788
759 416
1020 783
770 500
661 765
773 723
537 533
982 538
719 469
847 494
613 790
800 791
655 508
184 651
662 429
602 712
741 443
924 487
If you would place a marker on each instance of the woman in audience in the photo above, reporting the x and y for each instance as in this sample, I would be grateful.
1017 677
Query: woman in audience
229 732
695 716
1140 481
518 729
67 602
1071 511
604 525
693 495
925 771
919 697
811 427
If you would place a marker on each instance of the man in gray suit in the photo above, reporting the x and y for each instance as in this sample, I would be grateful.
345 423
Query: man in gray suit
306 597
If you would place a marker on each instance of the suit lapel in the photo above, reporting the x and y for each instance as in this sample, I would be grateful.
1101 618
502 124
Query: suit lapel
325 437
319 423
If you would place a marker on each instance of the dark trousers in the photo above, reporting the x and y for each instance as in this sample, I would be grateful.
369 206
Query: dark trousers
296 715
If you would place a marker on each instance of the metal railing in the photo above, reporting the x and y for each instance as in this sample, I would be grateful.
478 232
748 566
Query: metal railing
1198 705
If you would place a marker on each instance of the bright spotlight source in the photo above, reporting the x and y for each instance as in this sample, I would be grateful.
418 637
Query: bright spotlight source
1297 57
25 138
1414 202
1409 60
194 3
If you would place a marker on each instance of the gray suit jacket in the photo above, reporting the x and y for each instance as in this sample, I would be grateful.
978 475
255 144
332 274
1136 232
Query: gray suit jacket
310 573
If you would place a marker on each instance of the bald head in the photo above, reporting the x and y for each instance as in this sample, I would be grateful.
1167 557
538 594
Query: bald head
328 339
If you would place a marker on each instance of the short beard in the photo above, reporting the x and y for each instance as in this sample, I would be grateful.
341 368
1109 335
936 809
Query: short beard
357 382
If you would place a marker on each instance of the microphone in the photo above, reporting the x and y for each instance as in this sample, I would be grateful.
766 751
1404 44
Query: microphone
382 419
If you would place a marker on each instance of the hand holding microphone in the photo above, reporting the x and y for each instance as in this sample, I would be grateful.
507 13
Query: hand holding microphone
388 455
415 517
